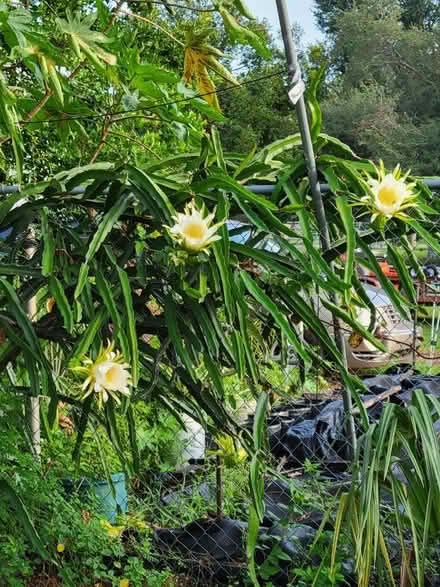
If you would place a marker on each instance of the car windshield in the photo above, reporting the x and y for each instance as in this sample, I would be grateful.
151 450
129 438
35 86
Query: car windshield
241 233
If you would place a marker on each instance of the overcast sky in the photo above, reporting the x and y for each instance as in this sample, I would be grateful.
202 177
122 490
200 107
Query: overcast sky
300 11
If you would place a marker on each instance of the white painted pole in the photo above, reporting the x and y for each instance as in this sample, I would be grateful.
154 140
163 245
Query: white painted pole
33 403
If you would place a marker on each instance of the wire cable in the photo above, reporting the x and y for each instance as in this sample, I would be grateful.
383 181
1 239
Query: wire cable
155 104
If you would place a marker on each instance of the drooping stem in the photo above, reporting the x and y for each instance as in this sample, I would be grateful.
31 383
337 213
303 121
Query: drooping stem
140 143
101 143
147 20
181 6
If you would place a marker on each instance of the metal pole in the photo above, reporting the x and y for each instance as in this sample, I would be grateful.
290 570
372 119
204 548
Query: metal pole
292 63
268 188
294 72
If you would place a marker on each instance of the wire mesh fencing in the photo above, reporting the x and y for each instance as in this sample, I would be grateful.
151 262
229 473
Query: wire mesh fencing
202 509
197 507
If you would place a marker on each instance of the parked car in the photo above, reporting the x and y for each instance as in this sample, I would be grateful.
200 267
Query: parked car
395 333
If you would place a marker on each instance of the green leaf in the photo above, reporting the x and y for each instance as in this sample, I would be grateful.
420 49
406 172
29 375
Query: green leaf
129 313
251 214
6 206
82 279
315 79
82 426
301 308
270 306
278 264
278 147
365 298
86 40
105 226
8 115
406 281
131 421
199 104
15 501
20 21
106 293
259 421
314 264
218 326
277 226
115 437
244 163
252 536
426 236
241 6
345 316
21 270
89 335
226 278
174 162
223 182
21 317
239 353
148 71
344 149
244 328
214 375
56 84
215 136
57 291
31 357
152 196
49 244
243 35
400 303
176 336
345 211
334 181
207 330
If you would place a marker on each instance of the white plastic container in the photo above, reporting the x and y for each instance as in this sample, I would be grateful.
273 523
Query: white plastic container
192 441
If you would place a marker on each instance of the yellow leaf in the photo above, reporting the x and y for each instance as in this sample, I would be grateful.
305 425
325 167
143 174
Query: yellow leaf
112 531
124 583
212 63
60 547
50 304
190 64
207 87
355 340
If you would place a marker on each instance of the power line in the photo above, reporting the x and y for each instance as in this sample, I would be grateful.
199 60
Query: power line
155 104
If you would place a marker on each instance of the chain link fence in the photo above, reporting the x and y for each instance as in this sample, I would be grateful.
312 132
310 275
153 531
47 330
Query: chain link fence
198 509
201 510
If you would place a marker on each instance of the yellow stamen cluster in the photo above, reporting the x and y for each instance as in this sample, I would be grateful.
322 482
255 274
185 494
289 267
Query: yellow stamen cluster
192 230
107 376
389 194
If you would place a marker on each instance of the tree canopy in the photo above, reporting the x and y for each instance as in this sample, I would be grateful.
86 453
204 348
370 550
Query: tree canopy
424 14
111 80
381 85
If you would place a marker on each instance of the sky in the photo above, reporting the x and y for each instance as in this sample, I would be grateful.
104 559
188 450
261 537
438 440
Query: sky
300 11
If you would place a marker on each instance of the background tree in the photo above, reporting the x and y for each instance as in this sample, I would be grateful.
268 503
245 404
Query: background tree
383 100
414 13
101 80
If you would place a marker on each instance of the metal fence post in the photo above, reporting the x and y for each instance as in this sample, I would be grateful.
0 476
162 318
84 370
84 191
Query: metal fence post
301 112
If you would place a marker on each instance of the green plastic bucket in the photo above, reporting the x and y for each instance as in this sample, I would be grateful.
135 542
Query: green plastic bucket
110 504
